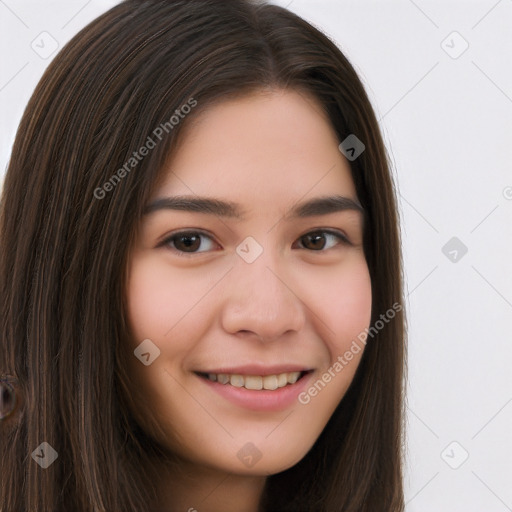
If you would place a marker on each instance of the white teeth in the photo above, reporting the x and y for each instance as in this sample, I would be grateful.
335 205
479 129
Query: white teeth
256 382
282 380
221 377
293 377
236 380
253 382
270 382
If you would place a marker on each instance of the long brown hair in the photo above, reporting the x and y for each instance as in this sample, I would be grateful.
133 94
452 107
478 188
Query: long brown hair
64 250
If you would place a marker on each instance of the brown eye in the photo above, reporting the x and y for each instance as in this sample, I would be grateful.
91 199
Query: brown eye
316 240
187 242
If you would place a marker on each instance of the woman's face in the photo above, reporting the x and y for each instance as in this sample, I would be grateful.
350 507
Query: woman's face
256 292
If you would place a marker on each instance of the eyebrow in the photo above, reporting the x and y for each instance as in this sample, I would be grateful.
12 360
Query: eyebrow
318 206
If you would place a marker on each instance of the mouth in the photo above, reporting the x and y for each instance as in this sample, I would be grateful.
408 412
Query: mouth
271 382
258 388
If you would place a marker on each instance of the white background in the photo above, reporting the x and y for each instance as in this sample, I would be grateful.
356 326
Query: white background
448 125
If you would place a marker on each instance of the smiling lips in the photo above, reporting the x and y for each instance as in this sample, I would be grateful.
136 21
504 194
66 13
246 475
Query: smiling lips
258 387
256 382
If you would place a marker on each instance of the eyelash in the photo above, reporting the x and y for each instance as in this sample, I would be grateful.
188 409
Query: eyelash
167 242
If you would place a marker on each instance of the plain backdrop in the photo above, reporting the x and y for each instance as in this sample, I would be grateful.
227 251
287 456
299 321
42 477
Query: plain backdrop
439 75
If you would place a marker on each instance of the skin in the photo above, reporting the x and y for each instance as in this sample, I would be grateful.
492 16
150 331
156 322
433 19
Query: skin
296 303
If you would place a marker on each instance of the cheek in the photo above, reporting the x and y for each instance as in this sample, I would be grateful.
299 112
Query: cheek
345 303
145 300
158 297
153 309
346 310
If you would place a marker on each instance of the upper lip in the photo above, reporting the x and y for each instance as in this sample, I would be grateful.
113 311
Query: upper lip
258 369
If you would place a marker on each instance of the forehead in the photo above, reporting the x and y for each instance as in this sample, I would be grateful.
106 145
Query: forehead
275 146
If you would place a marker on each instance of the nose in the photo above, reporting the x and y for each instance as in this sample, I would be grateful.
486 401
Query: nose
262 301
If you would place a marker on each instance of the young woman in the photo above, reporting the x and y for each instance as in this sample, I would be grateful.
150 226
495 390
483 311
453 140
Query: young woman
200 277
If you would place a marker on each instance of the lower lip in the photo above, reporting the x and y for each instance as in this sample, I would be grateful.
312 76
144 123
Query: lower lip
261 400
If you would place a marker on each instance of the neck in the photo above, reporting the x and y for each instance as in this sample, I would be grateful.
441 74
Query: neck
193 488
